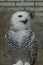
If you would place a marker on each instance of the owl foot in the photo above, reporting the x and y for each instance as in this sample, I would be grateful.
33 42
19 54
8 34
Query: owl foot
27 63
15 64
19 63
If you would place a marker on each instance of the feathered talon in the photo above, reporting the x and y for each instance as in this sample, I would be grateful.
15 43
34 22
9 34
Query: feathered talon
19 63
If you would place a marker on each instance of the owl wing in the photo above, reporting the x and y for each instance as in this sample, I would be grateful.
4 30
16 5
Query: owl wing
11 43
32 46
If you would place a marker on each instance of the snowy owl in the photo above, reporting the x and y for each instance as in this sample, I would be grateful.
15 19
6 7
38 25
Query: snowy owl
20 39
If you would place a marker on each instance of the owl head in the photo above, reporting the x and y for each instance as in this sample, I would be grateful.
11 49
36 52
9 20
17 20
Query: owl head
20 20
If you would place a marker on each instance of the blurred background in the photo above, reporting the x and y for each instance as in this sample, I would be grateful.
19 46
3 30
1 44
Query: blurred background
7 8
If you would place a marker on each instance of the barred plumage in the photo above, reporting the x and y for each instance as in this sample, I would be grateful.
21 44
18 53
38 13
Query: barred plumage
27 50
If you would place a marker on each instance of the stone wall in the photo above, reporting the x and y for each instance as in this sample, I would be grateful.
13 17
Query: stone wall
29 5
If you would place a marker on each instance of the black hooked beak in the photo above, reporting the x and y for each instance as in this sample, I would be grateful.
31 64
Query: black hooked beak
25 21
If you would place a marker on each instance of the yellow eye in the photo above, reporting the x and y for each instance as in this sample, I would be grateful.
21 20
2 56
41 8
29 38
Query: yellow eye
20 16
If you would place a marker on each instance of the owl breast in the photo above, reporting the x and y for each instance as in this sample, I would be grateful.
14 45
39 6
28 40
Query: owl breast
19 35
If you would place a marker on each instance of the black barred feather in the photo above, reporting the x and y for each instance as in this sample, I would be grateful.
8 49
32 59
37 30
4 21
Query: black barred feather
26 51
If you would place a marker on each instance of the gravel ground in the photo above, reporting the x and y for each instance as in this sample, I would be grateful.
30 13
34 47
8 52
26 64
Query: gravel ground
37 26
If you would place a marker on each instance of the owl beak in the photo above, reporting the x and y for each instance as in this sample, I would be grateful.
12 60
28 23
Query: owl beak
25 21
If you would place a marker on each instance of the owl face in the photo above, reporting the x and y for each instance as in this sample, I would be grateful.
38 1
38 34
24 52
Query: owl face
20 19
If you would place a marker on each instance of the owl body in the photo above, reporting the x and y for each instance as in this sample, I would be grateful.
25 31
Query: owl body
21 44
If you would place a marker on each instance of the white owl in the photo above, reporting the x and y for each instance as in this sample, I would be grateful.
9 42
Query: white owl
20 39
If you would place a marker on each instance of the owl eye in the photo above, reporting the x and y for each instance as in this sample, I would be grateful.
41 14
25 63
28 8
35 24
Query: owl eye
20 16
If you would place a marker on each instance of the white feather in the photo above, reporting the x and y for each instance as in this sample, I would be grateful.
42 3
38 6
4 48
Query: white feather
19 35
15 20
18 25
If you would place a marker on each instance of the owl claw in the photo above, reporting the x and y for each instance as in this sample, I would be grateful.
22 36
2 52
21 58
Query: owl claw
19 63
14 64
27 63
